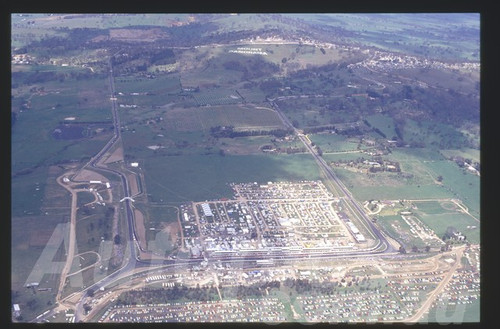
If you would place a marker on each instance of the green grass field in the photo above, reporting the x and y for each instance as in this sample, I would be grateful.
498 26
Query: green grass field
462 185
335 143
436 207
384 123
245 145
31 139
203 118
161 84
198 178
466 153
399 192
27 192
439 223
420 169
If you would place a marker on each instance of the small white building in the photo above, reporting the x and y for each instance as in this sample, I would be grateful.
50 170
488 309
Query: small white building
17 310
134 164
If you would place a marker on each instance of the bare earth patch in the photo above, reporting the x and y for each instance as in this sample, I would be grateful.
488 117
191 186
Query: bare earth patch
134 189
140 229
116 156
172 229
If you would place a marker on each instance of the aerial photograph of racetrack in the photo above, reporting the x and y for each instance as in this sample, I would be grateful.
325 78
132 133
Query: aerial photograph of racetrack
255 167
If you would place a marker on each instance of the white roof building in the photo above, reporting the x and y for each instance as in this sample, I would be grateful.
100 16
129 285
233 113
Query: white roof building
206 210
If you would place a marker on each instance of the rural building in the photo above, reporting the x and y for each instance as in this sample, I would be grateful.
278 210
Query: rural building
134 164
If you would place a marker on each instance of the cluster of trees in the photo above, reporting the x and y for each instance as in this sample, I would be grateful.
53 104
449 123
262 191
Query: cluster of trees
352 131
165 295
229 132
253 290
37 77
317 129
76 38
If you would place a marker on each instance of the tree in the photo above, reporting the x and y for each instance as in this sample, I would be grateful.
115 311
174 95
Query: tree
402 250
87 308
32 303
117 239
90 292
427 248
414 249
439 178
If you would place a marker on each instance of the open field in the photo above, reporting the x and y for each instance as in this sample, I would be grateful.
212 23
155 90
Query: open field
336 143
466 153
252 95
416 180
217 97
33 141
398 192
198 178
240 117
462 185
28 192
439 223
384 123
161 84
244 145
